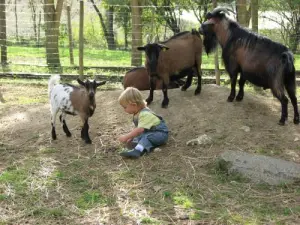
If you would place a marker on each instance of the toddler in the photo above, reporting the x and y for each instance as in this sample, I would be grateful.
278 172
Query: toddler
150 129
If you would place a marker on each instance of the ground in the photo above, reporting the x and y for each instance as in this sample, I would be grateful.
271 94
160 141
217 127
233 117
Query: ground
68 182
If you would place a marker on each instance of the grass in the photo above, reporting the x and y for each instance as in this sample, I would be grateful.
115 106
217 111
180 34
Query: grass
92 57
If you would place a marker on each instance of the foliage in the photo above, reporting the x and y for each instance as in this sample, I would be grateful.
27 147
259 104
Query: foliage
289 12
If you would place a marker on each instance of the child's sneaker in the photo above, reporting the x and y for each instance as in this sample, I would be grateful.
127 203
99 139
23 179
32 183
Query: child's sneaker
132 153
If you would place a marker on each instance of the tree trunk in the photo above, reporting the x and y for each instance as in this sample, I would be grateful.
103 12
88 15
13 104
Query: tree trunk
33 16
110 24
3 32
294 38
39 29
52 16
81 23
136 56
106 33
16 18
254 21
254 15
241 8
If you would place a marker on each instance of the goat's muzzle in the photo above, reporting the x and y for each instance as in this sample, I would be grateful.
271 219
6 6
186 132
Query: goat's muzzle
91 95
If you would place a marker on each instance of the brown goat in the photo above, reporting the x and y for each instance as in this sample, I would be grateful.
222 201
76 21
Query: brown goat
184 50
138 77
257 59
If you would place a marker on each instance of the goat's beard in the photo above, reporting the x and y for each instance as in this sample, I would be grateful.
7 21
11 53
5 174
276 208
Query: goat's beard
210 42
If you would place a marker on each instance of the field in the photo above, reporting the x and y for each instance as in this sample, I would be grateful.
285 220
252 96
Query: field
32 56
68 182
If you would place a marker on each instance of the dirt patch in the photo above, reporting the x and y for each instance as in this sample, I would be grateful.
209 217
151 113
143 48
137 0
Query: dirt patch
155 187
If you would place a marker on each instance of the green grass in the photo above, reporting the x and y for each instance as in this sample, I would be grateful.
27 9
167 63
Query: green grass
33 56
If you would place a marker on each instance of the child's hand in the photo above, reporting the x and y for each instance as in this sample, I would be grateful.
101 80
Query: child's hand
123 138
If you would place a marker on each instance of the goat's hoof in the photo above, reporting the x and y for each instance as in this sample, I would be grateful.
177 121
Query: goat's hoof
183 88
239 98
230 99
197 91
149 101
69 135
296 121
281 122
164 104
88 141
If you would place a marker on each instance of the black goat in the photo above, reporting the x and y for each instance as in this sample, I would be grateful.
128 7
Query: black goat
180 52
261 61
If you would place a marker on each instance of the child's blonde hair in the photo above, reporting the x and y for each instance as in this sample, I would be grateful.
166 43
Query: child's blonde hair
132 95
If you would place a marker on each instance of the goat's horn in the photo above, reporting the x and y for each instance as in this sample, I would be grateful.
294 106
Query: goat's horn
148 38
220 9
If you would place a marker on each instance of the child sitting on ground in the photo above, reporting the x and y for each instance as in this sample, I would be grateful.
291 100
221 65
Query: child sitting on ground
150 129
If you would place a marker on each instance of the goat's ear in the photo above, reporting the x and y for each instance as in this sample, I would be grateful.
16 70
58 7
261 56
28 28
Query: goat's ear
163 47
142 48
80 82
100 83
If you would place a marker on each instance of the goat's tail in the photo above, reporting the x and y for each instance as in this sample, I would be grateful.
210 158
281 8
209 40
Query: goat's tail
53 81
288 62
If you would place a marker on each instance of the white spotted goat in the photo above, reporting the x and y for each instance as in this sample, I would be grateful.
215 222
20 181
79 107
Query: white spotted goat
73 100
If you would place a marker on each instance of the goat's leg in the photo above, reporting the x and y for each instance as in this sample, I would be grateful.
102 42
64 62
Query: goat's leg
233 78
53 119
85 132
240 95
62 119
166 81
291 90
165 102
187 83
199 76
284 103
152 88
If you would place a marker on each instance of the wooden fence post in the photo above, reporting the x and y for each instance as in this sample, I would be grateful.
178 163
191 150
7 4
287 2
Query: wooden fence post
217 69
70 35
81 20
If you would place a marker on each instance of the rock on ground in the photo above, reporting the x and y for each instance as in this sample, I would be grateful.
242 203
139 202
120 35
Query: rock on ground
261 169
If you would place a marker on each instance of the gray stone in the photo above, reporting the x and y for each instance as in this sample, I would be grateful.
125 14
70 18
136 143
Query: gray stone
261 169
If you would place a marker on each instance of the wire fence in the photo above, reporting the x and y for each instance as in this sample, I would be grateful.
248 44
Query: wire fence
26 35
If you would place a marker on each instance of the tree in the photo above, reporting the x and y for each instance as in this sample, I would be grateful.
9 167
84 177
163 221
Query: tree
254 15
34 12
288 19
52 16
242 13
3 32
166 9
107 30
136 11
122 18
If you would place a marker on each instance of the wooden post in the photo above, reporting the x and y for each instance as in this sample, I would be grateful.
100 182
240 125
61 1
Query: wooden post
81 19
136 56
3 32
217 69
70 35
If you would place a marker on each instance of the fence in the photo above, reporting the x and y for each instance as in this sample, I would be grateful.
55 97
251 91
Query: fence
107 33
